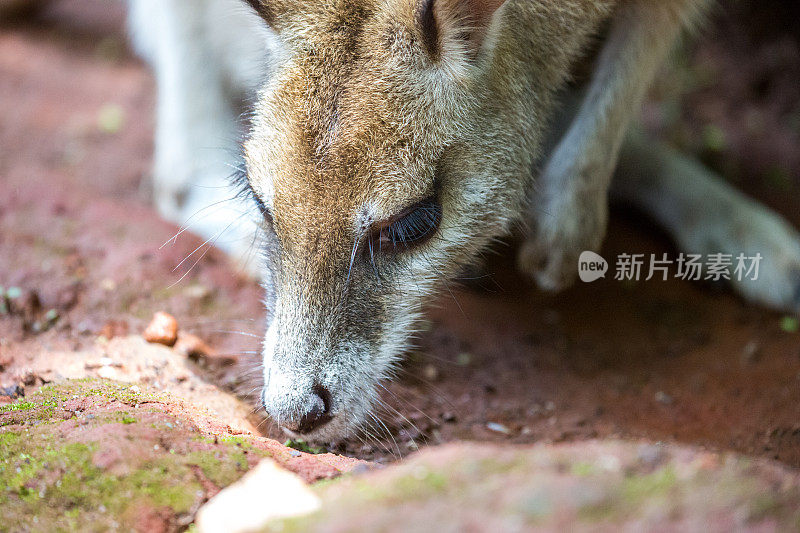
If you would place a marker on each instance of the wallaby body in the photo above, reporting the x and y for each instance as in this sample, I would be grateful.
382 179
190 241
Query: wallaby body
393 140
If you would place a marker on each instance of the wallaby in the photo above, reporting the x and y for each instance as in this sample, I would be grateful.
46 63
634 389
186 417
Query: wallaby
390 141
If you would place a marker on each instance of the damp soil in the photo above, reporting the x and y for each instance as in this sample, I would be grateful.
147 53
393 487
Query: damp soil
498 361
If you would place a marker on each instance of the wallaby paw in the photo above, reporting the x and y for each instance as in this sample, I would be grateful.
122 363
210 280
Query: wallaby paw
749 230
778 283
557 239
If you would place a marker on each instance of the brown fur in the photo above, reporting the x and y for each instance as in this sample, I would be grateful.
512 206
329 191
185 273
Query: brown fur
371 112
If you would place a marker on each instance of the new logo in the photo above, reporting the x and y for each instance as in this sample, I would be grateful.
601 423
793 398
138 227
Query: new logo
591 267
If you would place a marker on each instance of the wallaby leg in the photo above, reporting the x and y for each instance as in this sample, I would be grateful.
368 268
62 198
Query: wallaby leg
705 215
197 127
568 210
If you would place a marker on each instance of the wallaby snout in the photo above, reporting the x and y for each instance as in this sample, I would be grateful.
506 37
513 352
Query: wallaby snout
318 384
313 411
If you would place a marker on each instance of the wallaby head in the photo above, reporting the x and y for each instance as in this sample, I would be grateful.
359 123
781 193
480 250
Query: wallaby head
394 140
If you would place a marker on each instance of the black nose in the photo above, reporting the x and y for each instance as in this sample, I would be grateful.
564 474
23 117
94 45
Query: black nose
317 416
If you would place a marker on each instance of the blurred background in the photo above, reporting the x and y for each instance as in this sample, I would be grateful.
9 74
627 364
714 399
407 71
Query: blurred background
82 262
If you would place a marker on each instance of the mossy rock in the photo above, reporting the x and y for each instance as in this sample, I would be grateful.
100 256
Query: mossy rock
93 455
588 486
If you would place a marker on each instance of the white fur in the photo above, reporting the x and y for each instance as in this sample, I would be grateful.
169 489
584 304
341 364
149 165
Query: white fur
207 56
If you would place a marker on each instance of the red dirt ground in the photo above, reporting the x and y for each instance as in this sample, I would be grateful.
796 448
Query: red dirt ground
668 361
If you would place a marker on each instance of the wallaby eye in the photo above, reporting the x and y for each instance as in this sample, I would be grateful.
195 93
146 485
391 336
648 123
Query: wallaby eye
414 226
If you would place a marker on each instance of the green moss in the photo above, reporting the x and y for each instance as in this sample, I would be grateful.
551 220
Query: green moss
236 440
45 476
7 439
220 472
583 469
19 405
26 469
245 444
422 483
164 482
640 488
65 478
790 324
87 388
419 483
303 446
64 490
33 410
42 405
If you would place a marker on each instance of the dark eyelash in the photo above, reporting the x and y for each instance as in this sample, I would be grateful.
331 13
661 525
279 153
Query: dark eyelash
414 227
265 212
245 188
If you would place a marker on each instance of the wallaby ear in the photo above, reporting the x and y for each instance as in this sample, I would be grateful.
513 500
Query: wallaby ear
449 25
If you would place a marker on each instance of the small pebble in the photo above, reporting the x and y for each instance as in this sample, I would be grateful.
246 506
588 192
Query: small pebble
750 352
431 373
498 428
13 392
111 118
163 329
664 398
197 292
610 463
107 372
14 292
652 455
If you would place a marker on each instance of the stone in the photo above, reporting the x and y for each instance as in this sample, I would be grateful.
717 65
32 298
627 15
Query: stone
266 493
163 329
